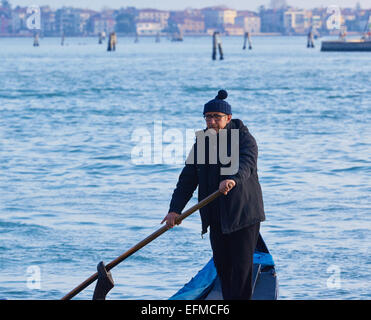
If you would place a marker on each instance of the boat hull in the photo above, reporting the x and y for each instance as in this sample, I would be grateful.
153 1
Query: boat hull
346 46
206 284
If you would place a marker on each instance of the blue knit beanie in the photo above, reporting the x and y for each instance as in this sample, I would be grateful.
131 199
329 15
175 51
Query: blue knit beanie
218 104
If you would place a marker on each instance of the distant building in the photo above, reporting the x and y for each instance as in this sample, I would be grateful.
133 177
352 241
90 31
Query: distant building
297 21
228 16
272 20
66 22
211 18
126 21
83 17
48 27
187 22
19 21
5 18
216 18
364 19
148 27
318 20
249 21
348 19
192 25
73 22
154 15
233 30
5 21
102 22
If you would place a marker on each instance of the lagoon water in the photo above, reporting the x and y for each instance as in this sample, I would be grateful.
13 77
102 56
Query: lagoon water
72 195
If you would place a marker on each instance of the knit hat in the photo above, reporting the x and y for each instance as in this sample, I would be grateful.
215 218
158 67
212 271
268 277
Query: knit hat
218 104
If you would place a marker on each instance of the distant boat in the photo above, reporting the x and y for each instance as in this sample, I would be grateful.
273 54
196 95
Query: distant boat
346 45
362 44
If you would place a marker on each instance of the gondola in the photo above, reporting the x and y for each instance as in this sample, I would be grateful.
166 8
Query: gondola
205 285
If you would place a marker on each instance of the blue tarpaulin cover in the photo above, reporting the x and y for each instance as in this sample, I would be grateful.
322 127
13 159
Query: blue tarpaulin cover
205 278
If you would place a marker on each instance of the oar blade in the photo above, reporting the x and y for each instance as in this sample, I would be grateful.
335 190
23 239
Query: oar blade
104 284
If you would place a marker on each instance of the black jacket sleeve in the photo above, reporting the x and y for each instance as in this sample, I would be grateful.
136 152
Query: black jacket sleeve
185 187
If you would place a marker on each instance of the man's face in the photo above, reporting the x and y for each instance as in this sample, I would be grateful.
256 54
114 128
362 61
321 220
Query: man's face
217 120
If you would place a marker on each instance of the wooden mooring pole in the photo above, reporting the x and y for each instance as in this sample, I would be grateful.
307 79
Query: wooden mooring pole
310 42
217 45
247 38
112 40
36 39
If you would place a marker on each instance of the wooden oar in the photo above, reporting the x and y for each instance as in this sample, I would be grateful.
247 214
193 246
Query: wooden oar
141 244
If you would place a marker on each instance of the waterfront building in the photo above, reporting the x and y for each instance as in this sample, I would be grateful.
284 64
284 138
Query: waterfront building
5 21
216 18
187 22
249 21
297 21
153 15
102 23
272 20
233 30
148 27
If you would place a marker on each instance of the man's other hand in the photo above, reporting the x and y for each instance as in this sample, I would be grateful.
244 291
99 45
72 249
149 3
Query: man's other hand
170 219
226 185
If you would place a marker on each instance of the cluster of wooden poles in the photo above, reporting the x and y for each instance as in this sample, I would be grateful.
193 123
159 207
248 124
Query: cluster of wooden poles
112 41
217 43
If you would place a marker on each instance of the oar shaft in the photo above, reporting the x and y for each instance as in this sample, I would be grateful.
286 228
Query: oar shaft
140 245
81 287
199 205
160 231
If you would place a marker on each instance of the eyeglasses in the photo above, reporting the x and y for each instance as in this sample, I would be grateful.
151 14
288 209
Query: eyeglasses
216 117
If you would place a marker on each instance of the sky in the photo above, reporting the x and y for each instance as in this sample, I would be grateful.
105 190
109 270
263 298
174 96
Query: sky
182 4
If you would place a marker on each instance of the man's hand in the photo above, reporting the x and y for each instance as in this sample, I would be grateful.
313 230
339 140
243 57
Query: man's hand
226 185
170 219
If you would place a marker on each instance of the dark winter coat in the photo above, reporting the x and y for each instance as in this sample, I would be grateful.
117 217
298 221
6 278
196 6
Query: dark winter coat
243 205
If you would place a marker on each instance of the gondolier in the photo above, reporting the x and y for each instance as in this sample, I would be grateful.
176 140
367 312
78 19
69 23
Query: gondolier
234 219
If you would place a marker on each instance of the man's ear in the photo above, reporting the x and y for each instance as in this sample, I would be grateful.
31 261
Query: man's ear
229 118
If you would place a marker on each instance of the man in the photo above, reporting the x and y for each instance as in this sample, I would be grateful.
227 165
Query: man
234 217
